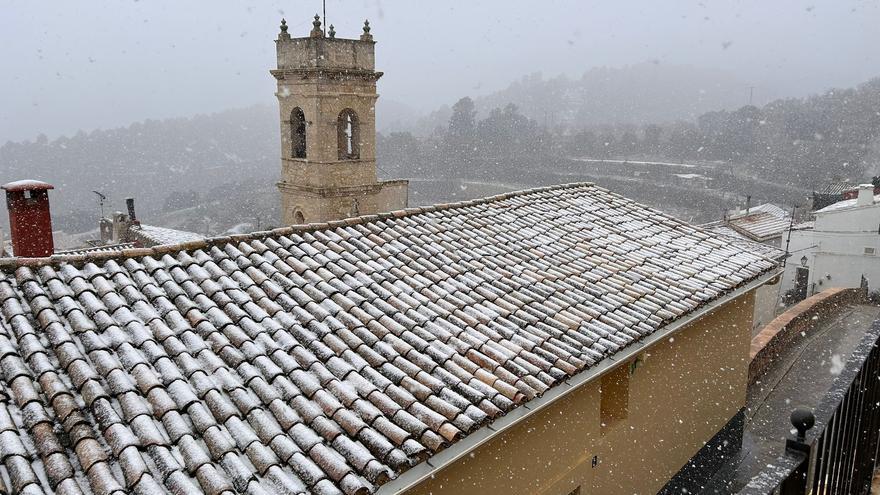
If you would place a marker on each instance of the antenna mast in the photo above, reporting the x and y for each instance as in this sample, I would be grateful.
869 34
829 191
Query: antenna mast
101 199
325 18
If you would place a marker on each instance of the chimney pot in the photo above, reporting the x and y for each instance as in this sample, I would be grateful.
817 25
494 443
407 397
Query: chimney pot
129 202
30 219
866 195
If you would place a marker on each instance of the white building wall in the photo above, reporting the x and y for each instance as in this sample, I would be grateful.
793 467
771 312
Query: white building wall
843 246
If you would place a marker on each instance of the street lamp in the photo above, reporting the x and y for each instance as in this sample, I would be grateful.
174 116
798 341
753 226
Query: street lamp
804 260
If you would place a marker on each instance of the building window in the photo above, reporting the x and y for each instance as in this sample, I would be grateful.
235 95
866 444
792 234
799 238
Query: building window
298 218
614 391
298 133
869 250
348 135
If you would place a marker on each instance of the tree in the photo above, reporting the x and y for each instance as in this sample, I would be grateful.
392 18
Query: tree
459 140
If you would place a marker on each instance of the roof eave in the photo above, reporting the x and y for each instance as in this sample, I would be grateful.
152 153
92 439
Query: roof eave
471 442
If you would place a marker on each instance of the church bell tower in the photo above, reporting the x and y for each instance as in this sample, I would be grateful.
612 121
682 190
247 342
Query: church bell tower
327 100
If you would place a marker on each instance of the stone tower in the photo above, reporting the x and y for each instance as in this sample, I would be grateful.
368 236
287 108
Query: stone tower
327 99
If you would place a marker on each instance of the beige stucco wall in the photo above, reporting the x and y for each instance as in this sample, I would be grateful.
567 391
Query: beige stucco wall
766 305
685 389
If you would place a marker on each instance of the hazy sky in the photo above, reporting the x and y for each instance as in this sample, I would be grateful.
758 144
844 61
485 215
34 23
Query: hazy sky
86 64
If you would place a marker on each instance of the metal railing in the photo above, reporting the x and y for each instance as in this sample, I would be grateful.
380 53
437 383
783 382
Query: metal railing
835 451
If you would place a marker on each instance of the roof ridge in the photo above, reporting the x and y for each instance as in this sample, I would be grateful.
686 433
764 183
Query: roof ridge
12 263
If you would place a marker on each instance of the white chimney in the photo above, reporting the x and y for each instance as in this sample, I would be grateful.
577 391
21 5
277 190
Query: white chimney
866 195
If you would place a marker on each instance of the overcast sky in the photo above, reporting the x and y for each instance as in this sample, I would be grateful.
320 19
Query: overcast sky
69 65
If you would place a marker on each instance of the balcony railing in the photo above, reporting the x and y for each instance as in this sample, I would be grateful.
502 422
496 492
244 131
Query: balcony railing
835 451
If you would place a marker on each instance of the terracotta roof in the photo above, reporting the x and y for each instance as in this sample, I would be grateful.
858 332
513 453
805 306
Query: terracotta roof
760 226
774 210
329 358
150 235
836 187
743 242
97 249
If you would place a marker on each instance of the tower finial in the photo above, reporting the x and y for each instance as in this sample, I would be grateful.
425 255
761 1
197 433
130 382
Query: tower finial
283 35
316 28
367 36
332 32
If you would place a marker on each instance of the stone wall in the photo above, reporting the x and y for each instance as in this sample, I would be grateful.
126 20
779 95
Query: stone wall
796 323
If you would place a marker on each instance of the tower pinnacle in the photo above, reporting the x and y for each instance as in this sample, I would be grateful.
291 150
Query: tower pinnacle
367 36
316 28
283 35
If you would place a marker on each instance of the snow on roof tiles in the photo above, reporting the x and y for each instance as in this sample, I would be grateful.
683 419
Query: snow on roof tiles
744 242
330 358
151 235
760 226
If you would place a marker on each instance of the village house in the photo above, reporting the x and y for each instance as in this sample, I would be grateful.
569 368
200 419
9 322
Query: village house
839 248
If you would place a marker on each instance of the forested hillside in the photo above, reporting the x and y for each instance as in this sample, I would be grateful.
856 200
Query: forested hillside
177 164
165 165
798 142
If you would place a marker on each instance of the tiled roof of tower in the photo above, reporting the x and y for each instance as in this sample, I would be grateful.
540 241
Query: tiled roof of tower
329 358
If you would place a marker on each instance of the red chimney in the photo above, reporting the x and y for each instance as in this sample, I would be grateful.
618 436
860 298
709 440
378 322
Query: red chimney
29 220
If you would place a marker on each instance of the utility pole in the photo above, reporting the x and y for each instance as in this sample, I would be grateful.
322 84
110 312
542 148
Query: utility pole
751 94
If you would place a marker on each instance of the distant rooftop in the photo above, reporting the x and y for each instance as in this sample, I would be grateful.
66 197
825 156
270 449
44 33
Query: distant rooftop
744 242
845 204
150 235
760 225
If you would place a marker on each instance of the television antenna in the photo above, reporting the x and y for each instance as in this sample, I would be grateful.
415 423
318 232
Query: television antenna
101 199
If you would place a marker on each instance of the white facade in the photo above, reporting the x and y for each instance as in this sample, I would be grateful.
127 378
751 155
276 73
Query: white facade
842 246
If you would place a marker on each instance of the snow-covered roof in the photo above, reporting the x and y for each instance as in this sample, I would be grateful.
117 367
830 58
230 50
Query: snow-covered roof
836 187
845 204
744 242
775 210
759 226
150 235
330 357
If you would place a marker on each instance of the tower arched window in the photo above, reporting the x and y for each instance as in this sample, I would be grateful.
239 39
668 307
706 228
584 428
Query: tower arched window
298 133
348 135
299 218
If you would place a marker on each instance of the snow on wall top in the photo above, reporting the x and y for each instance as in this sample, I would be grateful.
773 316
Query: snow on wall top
27 185
845 204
